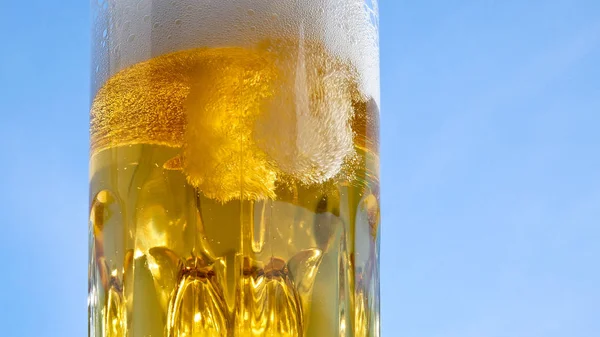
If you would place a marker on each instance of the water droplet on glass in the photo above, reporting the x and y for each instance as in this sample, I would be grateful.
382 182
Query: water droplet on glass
142 4
178 22
131 38
117 51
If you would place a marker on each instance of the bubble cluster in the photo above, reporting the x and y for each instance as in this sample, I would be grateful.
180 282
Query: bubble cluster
306 127
220 155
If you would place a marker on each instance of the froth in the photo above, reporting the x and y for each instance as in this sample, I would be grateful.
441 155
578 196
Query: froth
141 29
306 126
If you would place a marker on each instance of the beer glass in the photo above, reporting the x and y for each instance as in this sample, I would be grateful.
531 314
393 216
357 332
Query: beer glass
234 168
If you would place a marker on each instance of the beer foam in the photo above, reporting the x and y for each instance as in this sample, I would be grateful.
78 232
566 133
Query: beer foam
306 126
220 156
142 29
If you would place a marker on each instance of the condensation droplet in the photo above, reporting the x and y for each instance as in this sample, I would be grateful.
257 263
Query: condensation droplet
117 51
146 18
131 38
142 4
178 22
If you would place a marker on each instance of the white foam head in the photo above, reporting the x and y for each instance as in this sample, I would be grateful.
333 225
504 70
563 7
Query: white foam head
137 30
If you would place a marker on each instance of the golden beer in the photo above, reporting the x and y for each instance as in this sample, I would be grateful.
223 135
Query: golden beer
235 192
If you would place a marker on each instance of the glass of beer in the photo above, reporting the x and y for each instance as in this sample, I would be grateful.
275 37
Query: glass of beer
234 168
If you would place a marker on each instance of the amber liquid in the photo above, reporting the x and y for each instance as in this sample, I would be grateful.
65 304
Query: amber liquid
200 227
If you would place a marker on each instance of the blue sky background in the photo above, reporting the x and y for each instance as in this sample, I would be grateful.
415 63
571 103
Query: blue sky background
490 168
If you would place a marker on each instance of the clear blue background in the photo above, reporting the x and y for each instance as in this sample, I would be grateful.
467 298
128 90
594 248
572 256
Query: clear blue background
490 167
